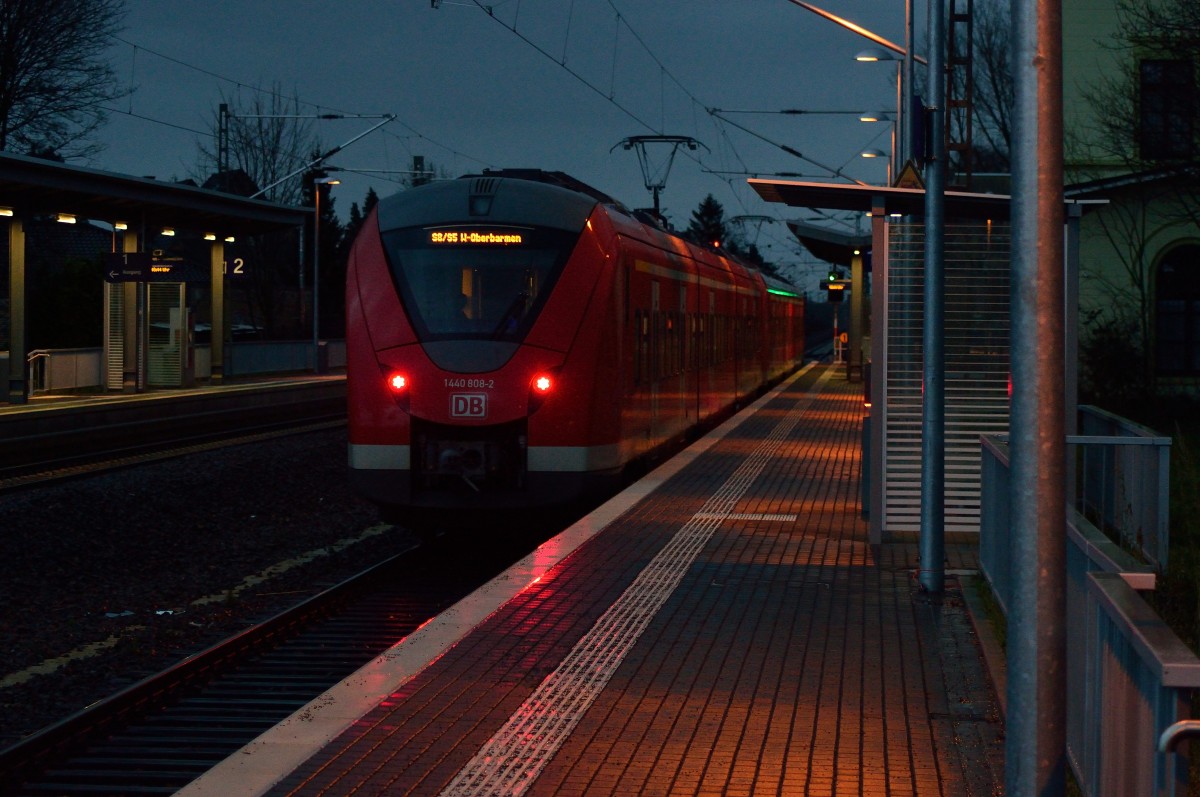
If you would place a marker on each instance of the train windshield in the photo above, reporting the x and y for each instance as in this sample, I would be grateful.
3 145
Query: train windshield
475 282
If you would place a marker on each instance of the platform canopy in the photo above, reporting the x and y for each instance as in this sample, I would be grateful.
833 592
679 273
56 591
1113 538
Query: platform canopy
896 201
830 245
33 186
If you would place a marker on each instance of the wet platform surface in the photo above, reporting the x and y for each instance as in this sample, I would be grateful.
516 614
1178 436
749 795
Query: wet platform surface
723 628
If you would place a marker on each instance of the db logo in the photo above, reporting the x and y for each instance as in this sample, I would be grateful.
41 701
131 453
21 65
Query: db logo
468 405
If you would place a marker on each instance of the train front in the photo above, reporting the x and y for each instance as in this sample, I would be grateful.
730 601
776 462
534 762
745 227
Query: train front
464 300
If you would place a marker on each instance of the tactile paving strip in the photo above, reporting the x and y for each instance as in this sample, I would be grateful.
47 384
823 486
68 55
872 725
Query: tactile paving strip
510 761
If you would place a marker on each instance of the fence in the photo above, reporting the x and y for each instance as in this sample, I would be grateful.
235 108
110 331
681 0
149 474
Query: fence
56 370
1128 676
1123 480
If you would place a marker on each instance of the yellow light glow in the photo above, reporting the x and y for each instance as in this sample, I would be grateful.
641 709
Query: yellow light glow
6 211
208 236
168 231
229 239
65 218
475 238
120 226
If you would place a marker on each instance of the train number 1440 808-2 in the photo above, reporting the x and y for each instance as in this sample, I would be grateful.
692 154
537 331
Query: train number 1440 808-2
476 384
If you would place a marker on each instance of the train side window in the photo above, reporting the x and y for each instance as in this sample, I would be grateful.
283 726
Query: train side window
656 346
676 335
641 345
684 329
637 347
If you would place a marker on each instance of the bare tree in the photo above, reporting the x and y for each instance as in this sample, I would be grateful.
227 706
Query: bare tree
993 94
1148 134
54 80
263 142
266 143
991 89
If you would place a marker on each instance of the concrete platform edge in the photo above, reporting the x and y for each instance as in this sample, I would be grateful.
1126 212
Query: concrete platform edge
264 762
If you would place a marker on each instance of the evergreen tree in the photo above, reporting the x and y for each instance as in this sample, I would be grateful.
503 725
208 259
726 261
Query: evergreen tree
708 223
357 218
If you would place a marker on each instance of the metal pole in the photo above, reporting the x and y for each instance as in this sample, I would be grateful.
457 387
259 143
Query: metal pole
879 370
933 399
316 287
858 301
216 346
1035 741
18 390
129 331
904 119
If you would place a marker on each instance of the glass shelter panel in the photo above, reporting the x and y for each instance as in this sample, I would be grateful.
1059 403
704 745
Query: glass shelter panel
977 366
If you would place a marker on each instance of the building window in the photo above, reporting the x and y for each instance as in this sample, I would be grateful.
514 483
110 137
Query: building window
1168 89
1177 320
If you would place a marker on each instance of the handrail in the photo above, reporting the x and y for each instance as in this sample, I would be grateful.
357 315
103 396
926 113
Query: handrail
31 360
1173 734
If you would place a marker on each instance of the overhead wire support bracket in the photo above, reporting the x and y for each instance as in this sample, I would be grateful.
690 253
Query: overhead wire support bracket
655 183
224 115
321 158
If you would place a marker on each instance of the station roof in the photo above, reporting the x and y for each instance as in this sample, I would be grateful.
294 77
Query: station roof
830 245
32 186
903 201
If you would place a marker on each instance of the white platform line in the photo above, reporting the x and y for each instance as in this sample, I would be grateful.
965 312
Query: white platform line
510 761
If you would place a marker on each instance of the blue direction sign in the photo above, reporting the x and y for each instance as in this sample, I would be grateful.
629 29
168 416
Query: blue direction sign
127 267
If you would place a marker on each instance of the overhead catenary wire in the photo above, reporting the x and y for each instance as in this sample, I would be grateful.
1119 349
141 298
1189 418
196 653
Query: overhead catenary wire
135 47
837 172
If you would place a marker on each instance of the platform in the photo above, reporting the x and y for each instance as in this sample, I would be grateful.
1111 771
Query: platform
722 627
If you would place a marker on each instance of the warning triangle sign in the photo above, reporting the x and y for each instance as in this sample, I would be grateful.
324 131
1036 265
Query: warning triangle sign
909 177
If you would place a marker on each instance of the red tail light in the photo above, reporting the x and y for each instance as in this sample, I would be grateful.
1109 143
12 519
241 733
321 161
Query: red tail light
542 385
397 382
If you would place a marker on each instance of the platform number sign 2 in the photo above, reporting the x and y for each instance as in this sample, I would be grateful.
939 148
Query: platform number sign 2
235 268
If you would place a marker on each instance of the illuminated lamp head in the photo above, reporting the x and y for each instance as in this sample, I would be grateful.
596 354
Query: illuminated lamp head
398 385
542 385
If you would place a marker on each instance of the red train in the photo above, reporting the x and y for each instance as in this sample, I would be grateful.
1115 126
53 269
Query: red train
517 338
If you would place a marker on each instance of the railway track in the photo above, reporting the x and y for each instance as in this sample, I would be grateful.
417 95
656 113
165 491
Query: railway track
78 438
158 735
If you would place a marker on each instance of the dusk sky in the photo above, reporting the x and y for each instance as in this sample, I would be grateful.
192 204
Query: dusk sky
575 79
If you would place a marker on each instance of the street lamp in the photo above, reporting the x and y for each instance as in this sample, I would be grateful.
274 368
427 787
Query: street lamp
888 51
316 302
932 533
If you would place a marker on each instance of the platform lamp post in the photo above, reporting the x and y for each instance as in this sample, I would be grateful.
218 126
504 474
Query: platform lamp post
933 440
904 84
318 186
